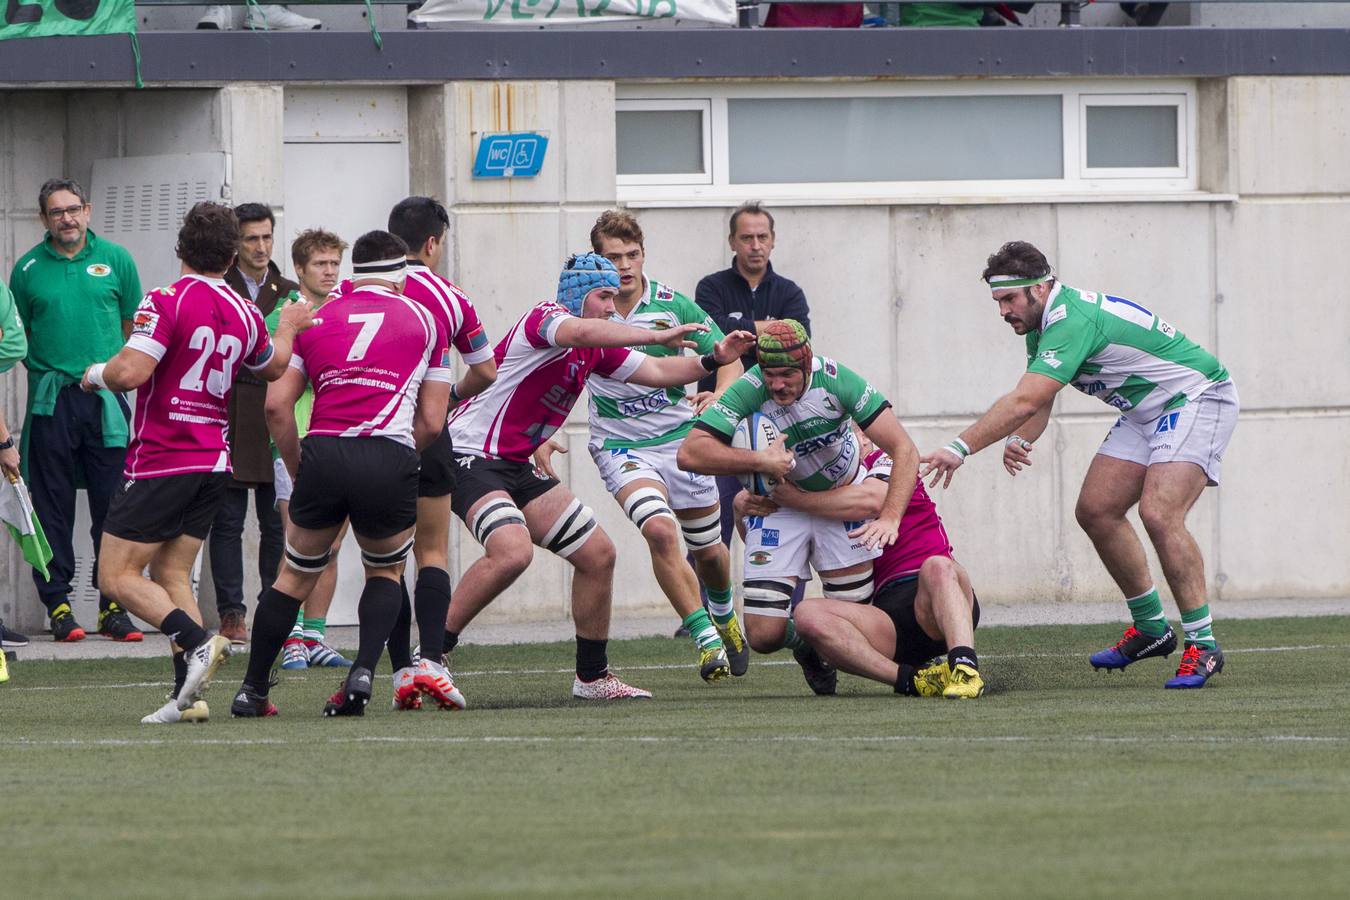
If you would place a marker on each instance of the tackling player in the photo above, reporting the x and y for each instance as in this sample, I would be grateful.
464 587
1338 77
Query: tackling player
421 223
187 343
923 606
635 431
811 399
1178 410
507 503
379 366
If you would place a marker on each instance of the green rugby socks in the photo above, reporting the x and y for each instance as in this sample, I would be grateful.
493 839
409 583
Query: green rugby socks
701 629
1147 612
1196 624
720 604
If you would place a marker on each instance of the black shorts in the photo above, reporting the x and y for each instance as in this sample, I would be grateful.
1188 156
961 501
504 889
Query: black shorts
476 477
437 477
371 480
913 646
153 510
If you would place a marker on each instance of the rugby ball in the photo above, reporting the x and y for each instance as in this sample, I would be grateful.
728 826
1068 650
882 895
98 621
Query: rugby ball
755 432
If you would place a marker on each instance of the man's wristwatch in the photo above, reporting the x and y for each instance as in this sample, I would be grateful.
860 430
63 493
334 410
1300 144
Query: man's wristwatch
7 443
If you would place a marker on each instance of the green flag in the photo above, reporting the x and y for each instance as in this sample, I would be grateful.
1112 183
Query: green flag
16 511
44 18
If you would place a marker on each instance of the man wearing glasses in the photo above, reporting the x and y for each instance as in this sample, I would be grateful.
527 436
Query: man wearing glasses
77 295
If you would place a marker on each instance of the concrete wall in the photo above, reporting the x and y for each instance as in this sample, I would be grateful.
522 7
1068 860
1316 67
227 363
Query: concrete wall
894 291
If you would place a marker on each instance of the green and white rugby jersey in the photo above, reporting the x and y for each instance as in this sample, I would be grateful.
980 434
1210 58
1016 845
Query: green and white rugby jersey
1119 352
816 425
632 415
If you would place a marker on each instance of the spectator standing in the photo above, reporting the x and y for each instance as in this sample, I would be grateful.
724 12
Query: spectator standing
748 295
76 294
254 275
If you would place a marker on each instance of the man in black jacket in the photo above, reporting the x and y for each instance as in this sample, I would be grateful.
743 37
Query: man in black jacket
748 295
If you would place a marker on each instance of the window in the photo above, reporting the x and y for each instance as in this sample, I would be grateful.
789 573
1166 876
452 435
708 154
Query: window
903 141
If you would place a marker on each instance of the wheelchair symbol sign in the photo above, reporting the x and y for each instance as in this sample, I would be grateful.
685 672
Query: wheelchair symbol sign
510 155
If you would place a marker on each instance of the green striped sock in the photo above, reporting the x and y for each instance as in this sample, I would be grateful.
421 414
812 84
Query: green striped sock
701 629
1147 611
298 629
1196 624
793 639
315 628
720 604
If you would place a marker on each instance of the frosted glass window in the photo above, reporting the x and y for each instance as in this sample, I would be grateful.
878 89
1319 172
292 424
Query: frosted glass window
834 139
665 142
1132 137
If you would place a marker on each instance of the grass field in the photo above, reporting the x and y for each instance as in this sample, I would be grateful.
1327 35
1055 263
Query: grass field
1059 782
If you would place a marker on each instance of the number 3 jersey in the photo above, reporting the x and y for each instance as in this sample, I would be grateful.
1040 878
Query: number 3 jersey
200 332
537 384
367 359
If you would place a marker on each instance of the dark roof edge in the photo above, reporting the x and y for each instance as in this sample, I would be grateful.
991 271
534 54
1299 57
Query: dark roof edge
199 57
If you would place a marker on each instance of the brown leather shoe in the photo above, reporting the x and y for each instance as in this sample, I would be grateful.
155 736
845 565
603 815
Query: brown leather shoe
232 627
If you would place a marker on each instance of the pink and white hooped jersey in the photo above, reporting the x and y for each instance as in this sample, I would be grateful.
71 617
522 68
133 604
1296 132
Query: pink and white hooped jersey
200 332
367 359
452 309
921 532
537 384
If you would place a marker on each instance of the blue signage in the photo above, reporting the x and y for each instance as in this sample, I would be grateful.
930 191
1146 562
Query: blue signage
516 154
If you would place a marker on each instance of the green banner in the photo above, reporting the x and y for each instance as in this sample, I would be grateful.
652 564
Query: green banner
45 18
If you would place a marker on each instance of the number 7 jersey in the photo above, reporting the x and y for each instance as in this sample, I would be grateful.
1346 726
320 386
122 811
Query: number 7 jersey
367 359
199 332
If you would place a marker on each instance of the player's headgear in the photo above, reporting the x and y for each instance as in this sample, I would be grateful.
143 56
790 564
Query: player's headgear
581 274
784 344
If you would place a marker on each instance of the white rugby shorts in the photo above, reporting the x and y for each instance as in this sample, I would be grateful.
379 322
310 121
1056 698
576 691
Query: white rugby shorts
790 543
1198 433
685 490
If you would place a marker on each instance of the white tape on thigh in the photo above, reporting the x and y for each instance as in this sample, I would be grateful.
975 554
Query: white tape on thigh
770 597
856 588
384 560
493 515
309 565
645 504
570 531
703 532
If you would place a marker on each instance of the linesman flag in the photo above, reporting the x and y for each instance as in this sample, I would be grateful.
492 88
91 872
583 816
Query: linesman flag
16 511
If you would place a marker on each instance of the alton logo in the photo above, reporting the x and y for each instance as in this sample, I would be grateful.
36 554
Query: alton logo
99 270
759 558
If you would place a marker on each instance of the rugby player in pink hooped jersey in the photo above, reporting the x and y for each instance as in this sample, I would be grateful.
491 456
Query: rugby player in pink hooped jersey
508 503
379 364
187 343
923 606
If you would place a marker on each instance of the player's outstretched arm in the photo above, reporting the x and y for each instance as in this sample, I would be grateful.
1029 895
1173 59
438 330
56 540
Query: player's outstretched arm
847 503
578 332
479 378
126 371
279 410
1007 415
673 371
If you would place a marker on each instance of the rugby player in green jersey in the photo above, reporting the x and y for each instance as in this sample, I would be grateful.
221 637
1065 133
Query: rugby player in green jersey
1178 409
635 432
812 400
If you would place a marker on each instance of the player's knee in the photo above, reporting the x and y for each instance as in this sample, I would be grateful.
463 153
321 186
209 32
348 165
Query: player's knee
598 554
766 599
938 570
511 549
662 536
1092 517
1158 517
571 531
810 619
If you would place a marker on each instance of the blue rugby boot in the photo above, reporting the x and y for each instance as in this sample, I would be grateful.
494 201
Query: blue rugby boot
1134 646
1198 664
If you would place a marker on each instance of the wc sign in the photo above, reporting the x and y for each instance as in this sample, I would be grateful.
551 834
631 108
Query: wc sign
516 154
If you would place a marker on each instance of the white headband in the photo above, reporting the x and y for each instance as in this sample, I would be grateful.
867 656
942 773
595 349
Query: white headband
1003 282
390 269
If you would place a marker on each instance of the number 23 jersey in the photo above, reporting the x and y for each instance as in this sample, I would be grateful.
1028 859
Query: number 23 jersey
367 359
200 332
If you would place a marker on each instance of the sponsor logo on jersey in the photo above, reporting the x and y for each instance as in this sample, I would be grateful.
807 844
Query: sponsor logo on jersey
445 358
99 270
724 411
1089 296
146 318
1166 328
631 466
640 406
759 558
1049 358
166 291
1056 315
811 445
862 401
754 523
664 293
1167 423
768 537
850 526
1119 402
477 339
734 315
465 461
753 379
662 323
830 368
1091 388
